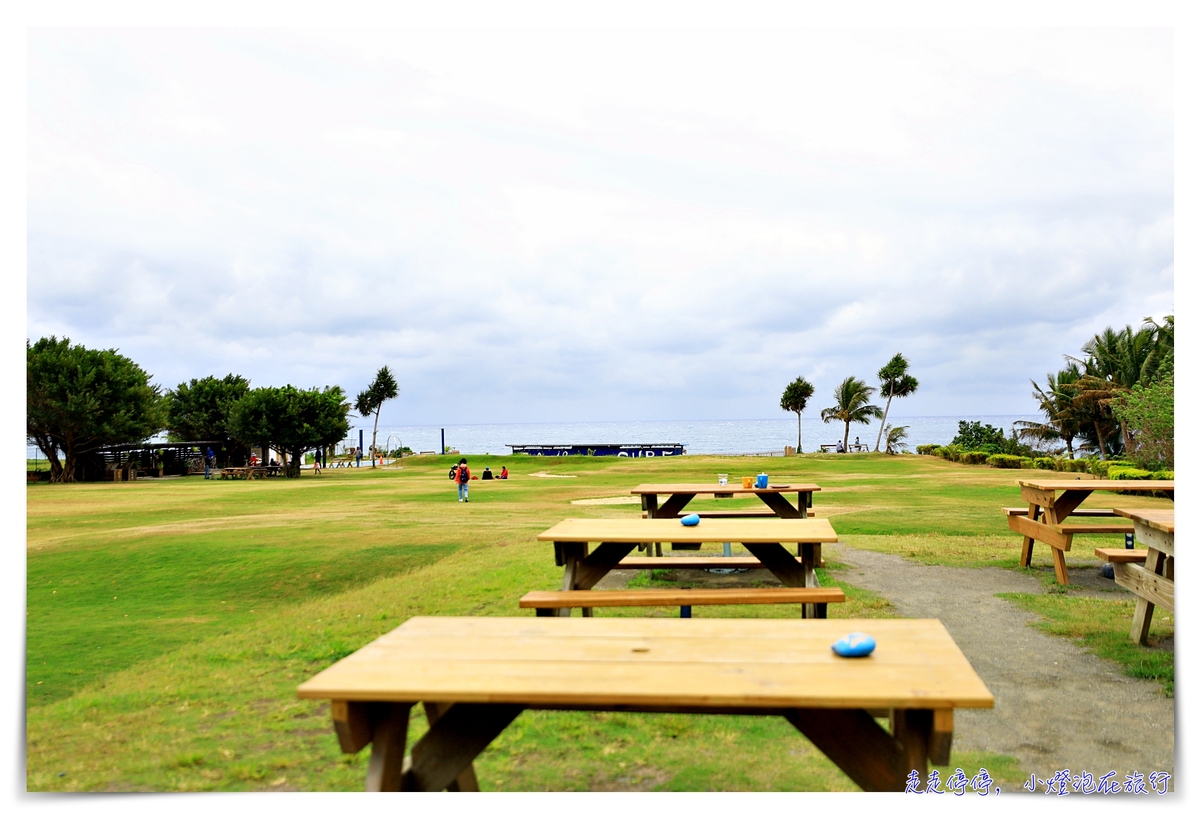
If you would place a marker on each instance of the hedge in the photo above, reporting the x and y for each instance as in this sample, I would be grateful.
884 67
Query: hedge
1128 473
1009 461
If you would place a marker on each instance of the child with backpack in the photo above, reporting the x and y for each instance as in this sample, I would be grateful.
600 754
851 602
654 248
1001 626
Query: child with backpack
463 478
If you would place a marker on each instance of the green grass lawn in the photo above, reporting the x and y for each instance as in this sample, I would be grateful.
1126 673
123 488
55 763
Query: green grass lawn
169 621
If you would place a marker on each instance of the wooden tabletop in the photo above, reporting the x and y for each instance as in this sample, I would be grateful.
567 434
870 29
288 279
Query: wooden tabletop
613 661
734 487
636 530
1099 485
1161 519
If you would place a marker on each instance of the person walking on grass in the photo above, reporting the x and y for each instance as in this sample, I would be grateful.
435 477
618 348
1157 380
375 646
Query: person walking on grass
463 478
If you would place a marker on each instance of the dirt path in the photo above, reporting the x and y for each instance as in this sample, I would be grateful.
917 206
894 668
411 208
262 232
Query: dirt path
1057 707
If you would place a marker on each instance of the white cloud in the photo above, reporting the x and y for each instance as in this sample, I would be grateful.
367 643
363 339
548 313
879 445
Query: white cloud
553 224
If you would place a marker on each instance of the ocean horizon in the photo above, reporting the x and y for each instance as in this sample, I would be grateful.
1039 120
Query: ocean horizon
729 437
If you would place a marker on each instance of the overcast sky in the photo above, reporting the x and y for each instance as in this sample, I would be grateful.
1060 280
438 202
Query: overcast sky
626 225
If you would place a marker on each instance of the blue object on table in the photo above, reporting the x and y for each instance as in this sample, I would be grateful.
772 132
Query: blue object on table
691 519
854 644
761 482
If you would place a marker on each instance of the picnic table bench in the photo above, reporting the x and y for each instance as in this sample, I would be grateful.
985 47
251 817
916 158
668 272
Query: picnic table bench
616 538
474 675
1051 502
1153 582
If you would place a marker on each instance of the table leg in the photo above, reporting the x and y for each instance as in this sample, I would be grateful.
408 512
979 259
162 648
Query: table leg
1027 541
385 770
461 733
573 554
864 751
466 780
1143 610
780 505
790 571
674 504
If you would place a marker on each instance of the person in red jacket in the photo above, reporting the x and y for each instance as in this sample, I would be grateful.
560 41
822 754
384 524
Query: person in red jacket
463 478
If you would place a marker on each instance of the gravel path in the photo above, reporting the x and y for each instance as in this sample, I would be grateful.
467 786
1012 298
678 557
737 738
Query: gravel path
1057 707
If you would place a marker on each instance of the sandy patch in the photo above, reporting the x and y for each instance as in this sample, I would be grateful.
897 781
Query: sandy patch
545 474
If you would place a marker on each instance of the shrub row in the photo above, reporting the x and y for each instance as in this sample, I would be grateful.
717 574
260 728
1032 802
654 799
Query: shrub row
954 453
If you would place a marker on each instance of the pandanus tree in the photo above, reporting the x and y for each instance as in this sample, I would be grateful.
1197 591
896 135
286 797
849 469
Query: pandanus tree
370 401
895 382
795 399
852 404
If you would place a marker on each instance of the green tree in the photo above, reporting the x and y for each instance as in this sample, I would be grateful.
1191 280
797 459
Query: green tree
895 438
895 382
293 420
1116 362
370 401
78 400
974 436
200 409
1057 401
795 399
851 405
1148 411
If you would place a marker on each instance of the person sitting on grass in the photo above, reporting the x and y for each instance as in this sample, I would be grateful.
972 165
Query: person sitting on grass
504 472
487 473
463 478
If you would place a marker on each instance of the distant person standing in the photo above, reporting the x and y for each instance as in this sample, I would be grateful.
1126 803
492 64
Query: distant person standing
463 478
357 458
209 462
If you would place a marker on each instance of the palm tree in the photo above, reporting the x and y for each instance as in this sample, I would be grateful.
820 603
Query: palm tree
896 435
1116 362
794 399
851 397
370 401
1057 401
895 382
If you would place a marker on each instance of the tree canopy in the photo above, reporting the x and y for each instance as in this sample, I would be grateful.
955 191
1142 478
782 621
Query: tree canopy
371 400
1148 411
293 420
79 400
852 405
200 408
795 399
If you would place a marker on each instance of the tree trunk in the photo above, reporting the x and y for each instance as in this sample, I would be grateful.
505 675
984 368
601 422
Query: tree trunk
799 434
293 465
1099 437
846 439
1070 451
374 434
46 444
883 422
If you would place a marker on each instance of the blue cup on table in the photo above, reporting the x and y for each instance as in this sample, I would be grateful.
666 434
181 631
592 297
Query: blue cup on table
760 482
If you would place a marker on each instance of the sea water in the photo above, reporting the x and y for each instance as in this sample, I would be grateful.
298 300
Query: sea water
735 437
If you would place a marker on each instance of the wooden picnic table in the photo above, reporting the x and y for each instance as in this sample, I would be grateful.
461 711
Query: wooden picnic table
474 675
1153 584
680 494
616 538
1051 502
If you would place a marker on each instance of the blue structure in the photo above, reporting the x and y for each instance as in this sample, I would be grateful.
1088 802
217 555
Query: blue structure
600 449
